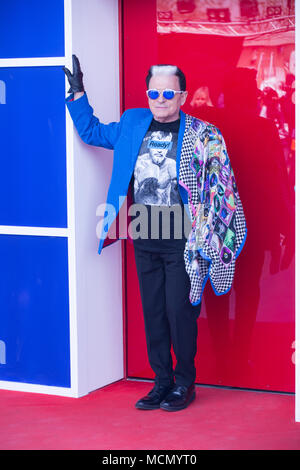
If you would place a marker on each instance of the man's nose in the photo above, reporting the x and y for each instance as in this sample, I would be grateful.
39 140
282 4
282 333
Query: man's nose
161 98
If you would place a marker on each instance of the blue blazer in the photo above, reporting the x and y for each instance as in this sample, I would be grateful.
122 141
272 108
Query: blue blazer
125 138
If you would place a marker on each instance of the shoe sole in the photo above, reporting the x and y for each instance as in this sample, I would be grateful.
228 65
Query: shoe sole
145 407
192 398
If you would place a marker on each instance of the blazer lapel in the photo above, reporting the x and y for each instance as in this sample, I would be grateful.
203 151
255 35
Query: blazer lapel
138 135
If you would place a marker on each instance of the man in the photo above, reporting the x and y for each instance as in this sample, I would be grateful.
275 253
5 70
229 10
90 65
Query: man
149 144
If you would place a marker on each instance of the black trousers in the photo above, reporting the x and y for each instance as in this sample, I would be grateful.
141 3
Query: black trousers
169 316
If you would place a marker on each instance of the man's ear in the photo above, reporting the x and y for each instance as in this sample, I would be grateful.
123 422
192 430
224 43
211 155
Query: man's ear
183 97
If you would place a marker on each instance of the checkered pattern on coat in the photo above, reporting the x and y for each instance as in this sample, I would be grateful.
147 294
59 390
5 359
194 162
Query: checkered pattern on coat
204 262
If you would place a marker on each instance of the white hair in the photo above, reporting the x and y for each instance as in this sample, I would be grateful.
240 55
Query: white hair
163 70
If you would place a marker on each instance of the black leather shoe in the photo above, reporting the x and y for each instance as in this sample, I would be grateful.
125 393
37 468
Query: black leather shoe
178 398
153 399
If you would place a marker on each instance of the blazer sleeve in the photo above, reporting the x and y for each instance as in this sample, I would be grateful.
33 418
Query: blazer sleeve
88 126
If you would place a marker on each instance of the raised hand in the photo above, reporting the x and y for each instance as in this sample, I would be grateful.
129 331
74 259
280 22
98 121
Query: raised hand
75 79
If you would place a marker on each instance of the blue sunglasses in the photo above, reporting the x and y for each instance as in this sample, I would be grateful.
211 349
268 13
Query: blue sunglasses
168 94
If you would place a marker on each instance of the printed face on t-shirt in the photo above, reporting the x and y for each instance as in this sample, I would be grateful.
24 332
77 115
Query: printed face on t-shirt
155 180
159 146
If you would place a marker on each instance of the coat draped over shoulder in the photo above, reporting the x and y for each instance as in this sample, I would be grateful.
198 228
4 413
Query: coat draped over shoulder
218 222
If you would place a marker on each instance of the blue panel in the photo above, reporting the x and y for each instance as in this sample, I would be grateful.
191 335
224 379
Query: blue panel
31 28
33 188
34 306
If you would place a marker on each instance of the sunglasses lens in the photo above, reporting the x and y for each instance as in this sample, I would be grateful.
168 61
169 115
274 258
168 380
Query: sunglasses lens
153 94
168 94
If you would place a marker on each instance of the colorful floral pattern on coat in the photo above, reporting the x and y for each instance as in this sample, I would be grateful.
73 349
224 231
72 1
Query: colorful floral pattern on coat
214 219
219 227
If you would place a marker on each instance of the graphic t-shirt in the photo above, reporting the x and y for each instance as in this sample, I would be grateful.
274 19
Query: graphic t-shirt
155 188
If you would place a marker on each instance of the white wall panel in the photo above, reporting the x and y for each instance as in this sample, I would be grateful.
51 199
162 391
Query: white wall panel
95 41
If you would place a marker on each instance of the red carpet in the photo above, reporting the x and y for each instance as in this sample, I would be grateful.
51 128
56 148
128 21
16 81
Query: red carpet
107 419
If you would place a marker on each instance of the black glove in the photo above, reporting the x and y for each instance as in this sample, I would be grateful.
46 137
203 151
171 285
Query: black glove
75 80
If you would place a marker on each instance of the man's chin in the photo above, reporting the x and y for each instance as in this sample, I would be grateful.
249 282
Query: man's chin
162 117
160 114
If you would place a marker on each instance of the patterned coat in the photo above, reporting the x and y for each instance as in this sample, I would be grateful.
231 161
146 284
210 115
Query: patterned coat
218 222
